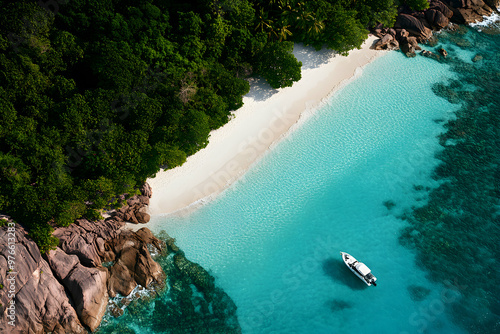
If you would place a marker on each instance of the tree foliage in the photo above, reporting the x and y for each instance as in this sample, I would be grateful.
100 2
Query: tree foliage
97 95
417 4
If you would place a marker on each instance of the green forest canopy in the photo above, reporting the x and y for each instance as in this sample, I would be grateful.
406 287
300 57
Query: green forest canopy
97 95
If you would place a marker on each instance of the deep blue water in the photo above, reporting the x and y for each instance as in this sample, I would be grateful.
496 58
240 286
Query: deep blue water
379 172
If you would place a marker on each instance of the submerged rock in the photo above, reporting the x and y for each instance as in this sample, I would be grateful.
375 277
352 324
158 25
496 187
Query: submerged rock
443 52
337 305
477 58
430 54
418 293
457 228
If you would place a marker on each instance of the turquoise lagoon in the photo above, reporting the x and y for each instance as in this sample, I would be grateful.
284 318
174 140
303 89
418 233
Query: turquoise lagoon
273 239
342 180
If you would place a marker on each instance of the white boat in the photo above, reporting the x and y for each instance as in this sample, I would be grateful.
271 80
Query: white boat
359 269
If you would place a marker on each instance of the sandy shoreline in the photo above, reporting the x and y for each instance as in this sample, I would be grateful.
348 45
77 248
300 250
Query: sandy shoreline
266 116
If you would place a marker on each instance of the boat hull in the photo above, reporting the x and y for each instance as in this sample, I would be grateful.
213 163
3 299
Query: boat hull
351 263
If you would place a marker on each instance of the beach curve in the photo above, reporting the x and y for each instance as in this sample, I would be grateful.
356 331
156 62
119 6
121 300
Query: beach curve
266 116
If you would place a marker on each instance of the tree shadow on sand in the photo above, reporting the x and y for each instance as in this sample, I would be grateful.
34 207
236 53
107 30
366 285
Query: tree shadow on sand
260 89
311 58
339 273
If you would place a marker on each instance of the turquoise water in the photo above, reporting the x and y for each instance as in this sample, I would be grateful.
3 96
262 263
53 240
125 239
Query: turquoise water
273 239
355 176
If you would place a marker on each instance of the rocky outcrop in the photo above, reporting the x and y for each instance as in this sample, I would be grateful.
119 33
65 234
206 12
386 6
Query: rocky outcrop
135 209
443 52
409 45
31 298
67 291
133 262
413 27
387 42
441 7
494 4
87 286
436 19
469 11
87 239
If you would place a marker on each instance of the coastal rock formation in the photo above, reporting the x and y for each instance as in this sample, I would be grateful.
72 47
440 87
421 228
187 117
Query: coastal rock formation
436 19
40 303
443 52
134 210
86 239
87 286
191 303
469 11
430 54
441 7
412 27
387 42
68 289
133 262
494 4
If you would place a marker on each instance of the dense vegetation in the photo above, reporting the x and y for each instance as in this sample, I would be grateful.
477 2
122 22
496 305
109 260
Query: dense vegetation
97 95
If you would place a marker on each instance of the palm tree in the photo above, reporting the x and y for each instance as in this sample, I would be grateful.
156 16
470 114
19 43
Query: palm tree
316 25
283 32
265 24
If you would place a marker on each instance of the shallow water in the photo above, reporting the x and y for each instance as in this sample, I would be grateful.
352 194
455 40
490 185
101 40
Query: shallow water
340 182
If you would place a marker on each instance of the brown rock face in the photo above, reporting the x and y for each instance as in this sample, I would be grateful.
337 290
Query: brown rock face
133 212
134 264
414 26
146 190
436 19
469 11
61 263
494 4
467 15
387 42
121 280
85 239
40 301
413 42
142 217
88 288
401 33
408 49
440 6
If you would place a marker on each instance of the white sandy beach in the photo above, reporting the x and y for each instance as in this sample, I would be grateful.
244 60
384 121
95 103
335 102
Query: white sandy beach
267 115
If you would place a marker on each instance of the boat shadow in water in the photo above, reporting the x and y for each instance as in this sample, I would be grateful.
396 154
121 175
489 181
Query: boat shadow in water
338 272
